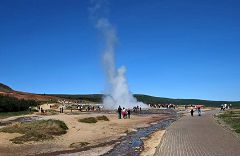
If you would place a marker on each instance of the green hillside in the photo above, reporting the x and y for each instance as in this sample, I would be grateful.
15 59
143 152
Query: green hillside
88 97
152 100
12 104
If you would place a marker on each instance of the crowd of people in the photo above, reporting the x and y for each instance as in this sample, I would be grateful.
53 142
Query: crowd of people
89 108
226 106
198 108
123 113
137 109
166 106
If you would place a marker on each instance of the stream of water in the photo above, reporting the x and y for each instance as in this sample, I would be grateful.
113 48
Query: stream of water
132 144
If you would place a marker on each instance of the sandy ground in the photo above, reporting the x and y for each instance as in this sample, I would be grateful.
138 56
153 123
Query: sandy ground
47 106
100 132
93 152
151 143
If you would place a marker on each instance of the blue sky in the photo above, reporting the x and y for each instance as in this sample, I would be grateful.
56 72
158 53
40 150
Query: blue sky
171 48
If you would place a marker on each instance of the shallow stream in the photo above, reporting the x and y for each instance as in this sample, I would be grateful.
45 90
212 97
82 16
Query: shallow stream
132 144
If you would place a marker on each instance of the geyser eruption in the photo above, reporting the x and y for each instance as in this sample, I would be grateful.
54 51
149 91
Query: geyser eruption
117 92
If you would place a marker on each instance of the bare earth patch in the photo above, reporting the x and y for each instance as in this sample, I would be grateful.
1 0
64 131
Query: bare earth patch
151 143
79 133
93 152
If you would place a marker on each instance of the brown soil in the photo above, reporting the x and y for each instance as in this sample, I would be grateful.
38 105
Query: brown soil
91 134
29 96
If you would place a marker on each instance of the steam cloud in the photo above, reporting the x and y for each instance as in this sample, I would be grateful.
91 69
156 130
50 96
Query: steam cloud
117 92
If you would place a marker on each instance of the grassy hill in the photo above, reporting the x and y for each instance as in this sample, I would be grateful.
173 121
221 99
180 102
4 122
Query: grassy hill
156 100
152 100
12 104
15 101
97 98
84 97
8 91
5 88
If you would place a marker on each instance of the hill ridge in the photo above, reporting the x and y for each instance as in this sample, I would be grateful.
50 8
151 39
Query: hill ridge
5 88
148 99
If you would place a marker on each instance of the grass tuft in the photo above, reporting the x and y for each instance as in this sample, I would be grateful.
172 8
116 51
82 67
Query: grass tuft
104 118
232 118
36 130
9 114
88 120
94 120
79 144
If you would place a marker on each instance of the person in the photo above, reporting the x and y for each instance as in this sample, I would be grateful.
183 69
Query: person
192 111
222 108
61 109
129 113
124 113
119 112
225 106
199 111
79 108
42 111
30 108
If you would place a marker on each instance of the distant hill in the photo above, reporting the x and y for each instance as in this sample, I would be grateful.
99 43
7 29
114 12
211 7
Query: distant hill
13 101
151 100
160 100
84 97
8 91
97 98
5 88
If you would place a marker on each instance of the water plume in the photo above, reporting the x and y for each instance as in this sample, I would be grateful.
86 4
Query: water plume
117 92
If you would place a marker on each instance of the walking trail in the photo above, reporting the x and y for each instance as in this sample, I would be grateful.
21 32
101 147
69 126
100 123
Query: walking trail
198 136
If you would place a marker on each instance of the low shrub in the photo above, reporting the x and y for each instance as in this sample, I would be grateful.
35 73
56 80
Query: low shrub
79 144
94 120
232 118
36 131
88 120
104 118
12 104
